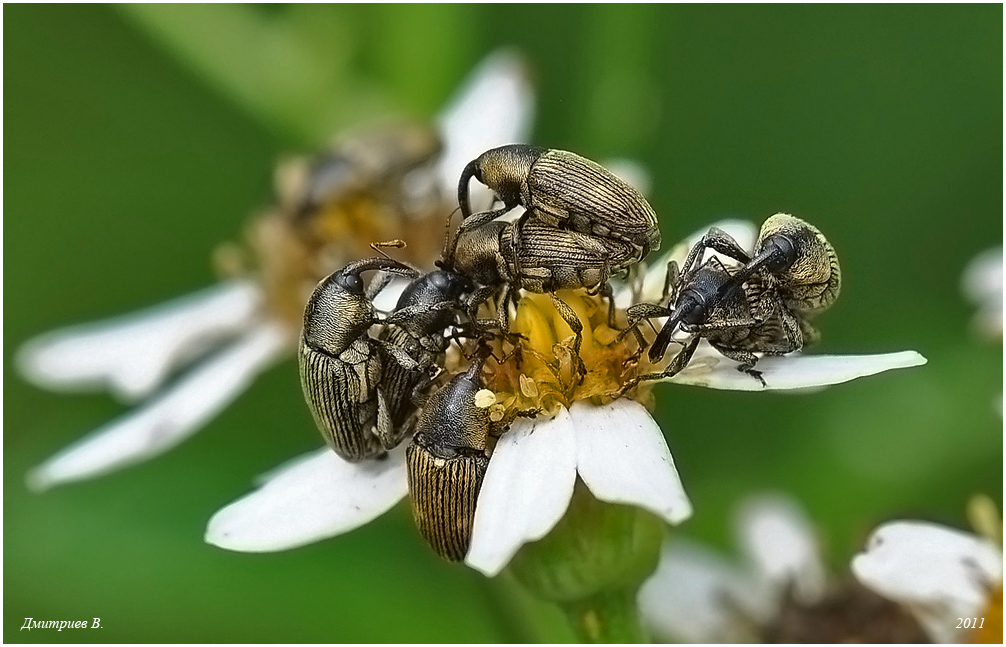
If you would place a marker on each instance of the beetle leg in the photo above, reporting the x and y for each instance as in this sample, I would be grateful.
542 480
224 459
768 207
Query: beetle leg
746 360
406 313
378 283
481 218
510 295
793 332
569 316
608 293
676 365
418 391
671 280
717 240
515 231
638 312
405 360
475 299
385 426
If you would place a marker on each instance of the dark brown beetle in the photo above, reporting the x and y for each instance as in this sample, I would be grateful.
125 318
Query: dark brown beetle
561 190
415 338
544 260
765 306
341 366
447 461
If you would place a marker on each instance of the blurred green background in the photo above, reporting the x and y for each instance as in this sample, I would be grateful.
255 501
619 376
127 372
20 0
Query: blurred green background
138 138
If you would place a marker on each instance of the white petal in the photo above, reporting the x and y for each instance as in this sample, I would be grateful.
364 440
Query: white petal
387 299
526 490
623 458
710 369
779 540
744 232
493 108
171 417
314 498
133 354
696 596
940 573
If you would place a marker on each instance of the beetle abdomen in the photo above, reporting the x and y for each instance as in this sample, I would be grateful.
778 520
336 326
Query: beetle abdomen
813 281
444 492
586 197
341 402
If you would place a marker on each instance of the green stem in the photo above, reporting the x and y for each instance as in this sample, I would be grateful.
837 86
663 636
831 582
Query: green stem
608 617
592 564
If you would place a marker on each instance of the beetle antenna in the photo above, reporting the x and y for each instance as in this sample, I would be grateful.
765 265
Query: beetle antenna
395 244
450 242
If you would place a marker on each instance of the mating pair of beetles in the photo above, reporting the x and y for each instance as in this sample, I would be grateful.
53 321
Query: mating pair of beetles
580 225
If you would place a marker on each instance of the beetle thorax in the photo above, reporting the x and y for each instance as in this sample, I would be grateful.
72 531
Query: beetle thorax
505 170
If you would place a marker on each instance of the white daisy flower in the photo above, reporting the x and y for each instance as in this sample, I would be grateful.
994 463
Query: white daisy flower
942 575
613 446
253 323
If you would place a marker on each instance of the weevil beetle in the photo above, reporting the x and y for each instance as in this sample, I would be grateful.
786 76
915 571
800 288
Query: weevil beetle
374 160
795 257
341 366
562 190
447 461
765 306
550 259
414 337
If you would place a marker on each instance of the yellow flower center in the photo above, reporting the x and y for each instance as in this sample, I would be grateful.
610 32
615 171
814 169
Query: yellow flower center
539 369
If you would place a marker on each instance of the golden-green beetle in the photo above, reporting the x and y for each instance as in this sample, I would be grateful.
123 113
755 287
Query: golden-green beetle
561 190
447 461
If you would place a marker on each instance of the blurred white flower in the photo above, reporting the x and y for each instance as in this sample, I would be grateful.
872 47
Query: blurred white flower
982 284
616 449
133 356
940 574
698 596
778 593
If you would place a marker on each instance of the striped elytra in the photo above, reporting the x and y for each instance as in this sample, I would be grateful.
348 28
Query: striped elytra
590 199
446 463
341 365
563 190
444 492
339 395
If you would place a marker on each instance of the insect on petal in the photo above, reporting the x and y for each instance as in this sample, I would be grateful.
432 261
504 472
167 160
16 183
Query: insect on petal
133 354
742 231
526 490
623 458
171 417
315 497
709 369
494 107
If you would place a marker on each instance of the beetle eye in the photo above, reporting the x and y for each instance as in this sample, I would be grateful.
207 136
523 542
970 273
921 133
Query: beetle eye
783 253
694 315
351 283
695 312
